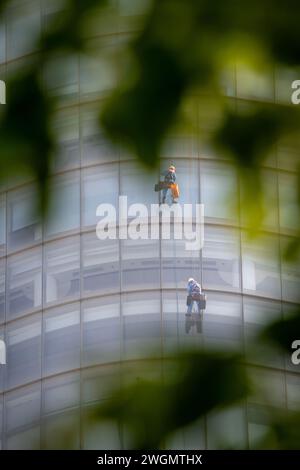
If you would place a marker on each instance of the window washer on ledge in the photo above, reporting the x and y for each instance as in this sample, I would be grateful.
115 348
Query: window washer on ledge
170 178
194 295
168 185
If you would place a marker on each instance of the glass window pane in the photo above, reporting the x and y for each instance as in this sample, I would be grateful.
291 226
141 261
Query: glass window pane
62 269
61 77
141 324
23 221
99 382
101 271
61 392
23 408
66 129
288 202
101 331
24 282
2 225
222 321
100 185
102 435
221 259
2 369
219 189
64 212
2 42
261 312
2 289
258 314
227 429
61 339
137 185
56 427
95 147
23 351
97 75
24 440
293 391
23 27
260 260
51 11
269 387
288 154
140 264
1 421
178 146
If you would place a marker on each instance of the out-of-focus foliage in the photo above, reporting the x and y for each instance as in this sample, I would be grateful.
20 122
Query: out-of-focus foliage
185 45
27 143
282 333
182 48
25 136
152 410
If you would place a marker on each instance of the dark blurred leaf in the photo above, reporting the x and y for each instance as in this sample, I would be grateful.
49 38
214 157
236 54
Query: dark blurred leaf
249 135
26 140
284 431
283 332
66 31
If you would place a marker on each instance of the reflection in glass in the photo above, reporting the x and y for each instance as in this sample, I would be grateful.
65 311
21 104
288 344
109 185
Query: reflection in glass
219 191
23 351
66 129
101 330
141 324
260 261
2 289
61 346
23 408
101 270
221 259
23 220
100 186
95 147
24 272
61 392
23 28
2 225
140 264
62 259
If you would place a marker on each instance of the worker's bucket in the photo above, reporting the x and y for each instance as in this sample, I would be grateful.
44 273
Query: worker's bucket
175 190
200 298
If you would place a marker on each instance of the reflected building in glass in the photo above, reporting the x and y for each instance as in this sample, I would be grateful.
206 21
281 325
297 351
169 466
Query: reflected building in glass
74 310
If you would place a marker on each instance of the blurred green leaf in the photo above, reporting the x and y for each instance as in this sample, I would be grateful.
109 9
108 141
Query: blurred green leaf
152 410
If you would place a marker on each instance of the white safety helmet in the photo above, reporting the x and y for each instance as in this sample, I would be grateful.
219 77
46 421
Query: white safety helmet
190 280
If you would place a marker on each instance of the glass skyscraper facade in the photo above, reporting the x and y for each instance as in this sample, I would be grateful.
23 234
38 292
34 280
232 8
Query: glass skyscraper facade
74 310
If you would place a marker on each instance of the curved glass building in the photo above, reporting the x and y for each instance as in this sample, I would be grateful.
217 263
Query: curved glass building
74 310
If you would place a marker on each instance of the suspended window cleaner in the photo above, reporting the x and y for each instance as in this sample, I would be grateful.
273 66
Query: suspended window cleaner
168 185
194 296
